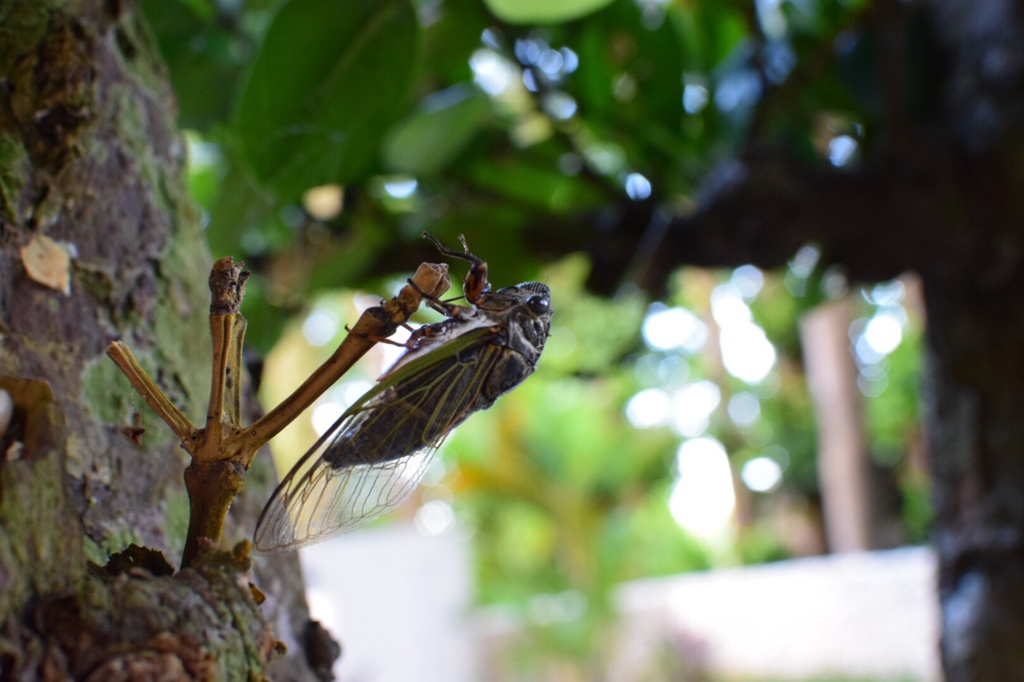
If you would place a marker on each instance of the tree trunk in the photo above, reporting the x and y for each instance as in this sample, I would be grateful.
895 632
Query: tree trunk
976 432
100 241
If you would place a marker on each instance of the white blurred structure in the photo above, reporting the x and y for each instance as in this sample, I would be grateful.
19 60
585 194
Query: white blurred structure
400 602
860 614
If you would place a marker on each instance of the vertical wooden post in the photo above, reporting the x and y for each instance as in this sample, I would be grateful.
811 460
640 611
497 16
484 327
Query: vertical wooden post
842 462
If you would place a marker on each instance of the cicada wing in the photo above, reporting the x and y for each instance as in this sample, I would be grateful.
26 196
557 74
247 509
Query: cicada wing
319 501
374 456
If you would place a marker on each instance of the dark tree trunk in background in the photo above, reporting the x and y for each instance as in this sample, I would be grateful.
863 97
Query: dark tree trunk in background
976 429
99 241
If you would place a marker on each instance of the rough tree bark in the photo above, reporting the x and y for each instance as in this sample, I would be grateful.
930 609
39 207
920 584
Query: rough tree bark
99 241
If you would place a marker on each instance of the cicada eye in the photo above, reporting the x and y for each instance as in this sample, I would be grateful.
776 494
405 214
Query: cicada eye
539 304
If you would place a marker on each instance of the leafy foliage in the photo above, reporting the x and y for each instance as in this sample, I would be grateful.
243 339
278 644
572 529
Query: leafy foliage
303 117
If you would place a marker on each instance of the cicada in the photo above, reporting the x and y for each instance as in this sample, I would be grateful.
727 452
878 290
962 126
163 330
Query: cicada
375 454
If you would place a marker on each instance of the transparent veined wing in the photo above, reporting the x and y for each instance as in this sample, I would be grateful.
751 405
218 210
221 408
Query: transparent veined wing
374 456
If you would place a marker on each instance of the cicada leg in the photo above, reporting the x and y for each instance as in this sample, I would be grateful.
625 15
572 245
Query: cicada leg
475 285
444 307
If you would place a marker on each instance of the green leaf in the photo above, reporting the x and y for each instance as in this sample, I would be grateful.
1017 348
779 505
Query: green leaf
534 185
617 47
433 137
206 9
543 11
205 59
449 39
240 207
330 79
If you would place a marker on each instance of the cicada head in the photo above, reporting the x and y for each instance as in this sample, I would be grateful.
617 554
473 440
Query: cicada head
529 317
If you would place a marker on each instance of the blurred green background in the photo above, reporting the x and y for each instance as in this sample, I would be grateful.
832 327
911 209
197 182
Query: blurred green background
669 426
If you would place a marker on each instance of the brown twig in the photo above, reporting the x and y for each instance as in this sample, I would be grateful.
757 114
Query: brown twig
223 450
375 323
123 357
212 478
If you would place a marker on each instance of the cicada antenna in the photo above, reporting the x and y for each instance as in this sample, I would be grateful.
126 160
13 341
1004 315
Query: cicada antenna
475 285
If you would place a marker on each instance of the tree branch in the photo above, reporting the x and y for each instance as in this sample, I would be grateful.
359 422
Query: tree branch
875 222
